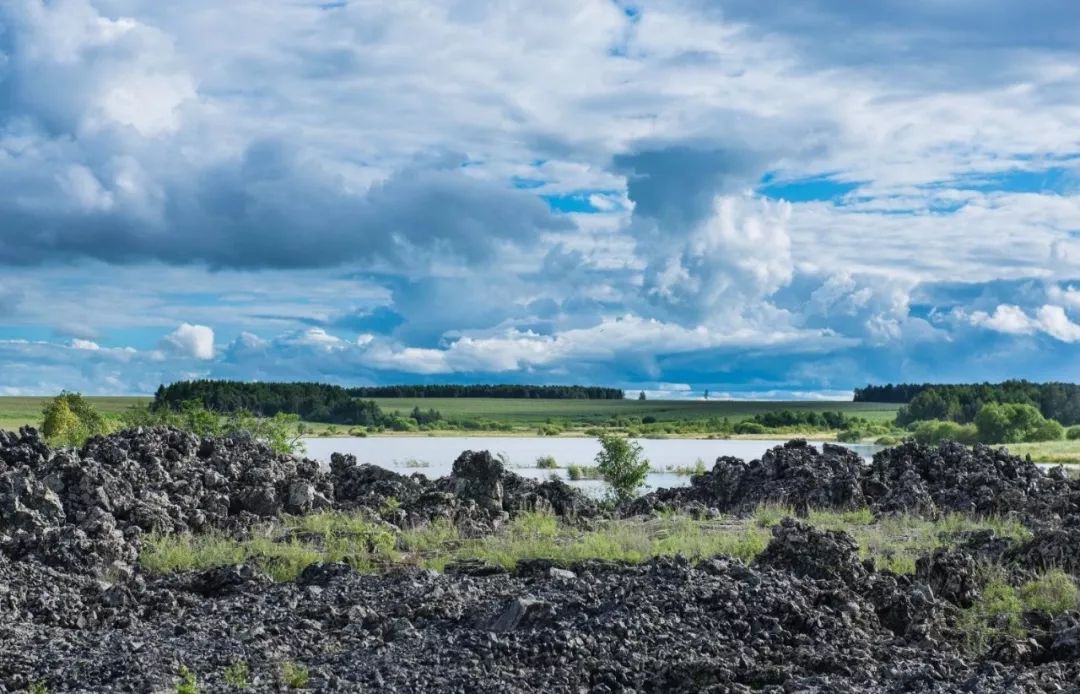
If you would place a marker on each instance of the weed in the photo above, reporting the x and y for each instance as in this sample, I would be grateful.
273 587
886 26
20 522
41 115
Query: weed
389 506
582 472
294 675
187 684
236 675
1053 592
685 471
546 462
37 688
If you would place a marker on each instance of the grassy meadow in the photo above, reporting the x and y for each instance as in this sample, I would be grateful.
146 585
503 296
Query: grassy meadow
20 410
532 413
524 415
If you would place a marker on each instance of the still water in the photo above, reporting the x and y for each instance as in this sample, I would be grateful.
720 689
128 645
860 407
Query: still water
433 456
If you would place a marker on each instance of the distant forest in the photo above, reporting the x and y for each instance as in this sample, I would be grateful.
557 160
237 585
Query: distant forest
316 402
490 391
960 403
320 402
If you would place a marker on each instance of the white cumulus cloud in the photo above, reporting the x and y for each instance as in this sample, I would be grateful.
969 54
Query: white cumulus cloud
189 340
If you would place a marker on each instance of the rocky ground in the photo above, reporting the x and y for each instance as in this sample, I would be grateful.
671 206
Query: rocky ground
77 614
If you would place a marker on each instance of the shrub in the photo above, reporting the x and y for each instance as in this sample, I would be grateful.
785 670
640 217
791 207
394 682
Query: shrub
621 465
749 428
294 675
236 675
1049 430
549 430
38 687
934 431
69 419
1073 433
849 436
187 684
1010 423
887 441
648 419
546 462
1053 592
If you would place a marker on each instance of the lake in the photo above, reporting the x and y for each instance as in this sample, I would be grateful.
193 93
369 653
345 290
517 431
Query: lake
434 455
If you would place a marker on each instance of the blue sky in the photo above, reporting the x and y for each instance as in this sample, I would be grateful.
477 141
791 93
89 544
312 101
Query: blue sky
669 196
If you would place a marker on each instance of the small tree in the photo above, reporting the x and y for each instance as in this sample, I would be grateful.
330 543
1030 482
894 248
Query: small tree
69 419
641 395
59 423
621 465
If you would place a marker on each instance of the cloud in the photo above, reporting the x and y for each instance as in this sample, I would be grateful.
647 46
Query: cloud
700 192
190 341
1005 319
1048 319
1054 322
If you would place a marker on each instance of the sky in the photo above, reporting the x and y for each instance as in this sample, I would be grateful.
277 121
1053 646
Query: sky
763 199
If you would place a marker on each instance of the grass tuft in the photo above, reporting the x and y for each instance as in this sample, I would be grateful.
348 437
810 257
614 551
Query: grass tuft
236 675
294 675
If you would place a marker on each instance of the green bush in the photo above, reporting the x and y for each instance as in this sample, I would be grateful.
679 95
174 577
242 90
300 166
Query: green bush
749 428
934 431
1015 423
887 440
69 419
621 465
1073 433
850 436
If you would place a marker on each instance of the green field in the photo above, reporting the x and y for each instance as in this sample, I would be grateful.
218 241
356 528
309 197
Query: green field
536 412
17 411
523 414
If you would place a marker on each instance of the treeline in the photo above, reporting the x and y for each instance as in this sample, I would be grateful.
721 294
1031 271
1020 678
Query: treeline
899 394
314 402
962 403
490 391
811 419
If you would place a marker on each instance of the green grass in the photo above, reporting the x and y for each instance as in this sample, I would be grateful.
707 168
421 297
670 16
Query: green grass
237 675
527 417
535 413
892 542
1048 451
19 410
583 472
294 675
998 613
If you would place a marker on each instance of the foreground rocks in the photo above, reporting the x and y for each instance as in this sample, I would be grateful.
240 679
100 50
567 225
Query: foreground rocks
807 615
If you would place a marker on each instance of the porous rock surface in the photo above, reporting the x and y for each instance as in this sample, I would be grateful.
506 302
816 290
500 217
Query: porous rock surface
77 613
909 478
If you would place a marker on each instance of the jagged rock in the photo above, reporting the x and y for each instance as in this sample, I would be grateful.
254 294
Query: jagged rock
477 476
951 574
929 480
795 474
1051 548
518 614
28 504
805 551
